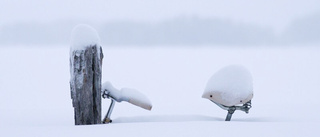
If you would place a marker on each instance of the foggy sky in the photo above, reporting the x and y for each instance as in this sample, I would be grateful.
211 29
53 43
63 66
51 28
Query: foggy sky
276 14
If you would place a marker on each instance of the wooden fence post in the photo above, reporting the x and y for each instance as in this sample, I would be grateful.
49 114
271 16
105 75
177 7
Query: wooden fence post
85 82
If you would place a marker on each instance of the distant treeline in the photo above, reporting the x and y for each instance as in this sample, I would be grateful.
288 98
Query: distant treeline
177 31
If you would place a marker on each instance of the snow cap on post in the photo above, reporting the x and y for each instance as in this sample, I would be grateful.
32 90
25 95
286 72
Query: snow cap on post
83 36
231 85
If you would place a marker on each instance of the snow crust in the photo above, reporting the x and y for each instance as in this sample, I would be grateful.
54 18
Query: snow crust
230 86
127 94
83 36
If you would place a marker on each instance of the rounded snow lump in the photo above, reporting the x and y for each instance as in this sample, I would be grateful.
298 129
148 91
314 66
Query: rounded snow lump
230 86
84 35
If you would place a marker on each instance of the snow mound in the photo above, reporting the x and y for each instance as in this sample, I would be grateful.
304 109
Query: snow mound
230 86
83 36
127 94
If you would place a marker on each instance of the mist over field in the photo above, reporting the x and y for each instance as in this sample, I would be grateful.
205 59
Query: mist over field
184 30
184 23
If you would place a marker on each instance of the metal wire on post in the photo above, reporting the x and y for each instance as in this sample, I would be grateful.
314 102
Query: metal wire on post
107 118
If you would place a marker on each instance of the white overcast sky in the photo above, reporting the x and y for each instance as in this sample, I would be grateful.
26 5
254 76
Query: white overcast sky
273 13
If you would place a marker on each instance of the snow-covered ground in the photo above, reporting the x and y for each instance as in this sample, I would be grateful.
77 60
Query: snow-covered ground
35 96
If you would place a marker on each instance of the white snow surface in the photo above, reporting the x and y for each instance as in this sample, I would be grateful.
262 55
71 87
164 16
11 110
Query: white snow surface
83 36
35 92
231 85
127 94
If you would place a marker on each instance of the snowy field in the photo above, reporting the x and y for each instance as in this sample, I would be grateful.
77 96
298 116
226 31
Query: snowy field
35 95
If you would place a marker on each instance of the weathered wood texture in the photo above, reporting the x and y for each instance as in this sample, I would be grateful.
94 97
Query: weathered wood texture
85 84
